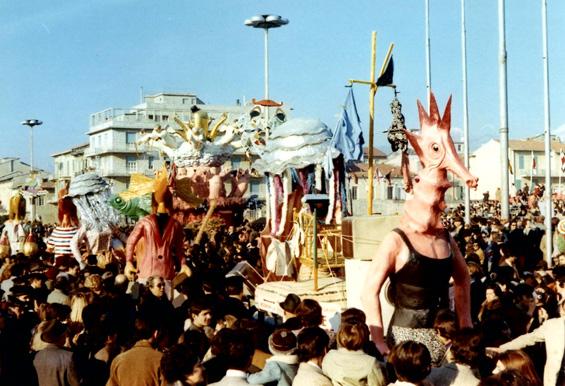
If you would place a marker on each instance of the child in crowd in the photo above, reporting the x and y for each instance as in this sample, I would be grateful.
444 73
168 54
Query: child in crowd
281 368
411 362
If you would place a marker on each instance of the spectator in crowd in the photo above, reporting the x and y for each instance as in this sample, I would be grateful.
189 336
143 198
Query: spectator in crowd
239 352
281 368
506 378
445 325
552 333
411 362
463 369
519 361
311 348
181 367
155 301
348 363
54 364
60 291
141 364
201 314
289 307
309 312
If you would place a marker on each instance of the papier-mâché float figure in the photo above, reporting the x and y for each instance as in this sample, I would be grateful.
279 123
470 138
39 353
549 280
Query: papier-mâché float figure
60 240
162 236
99 221
13 227
420 256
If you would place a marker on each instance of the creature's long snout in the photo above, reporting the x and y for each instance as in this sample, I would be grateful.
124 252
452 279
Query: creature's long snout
456 166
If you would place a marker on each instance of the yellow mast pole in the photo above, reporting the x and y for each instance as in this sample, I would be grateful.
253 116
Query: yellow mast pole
372 92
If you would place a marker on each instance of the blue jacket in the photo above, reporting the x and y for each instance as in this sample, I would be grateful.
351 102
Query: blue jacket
279 370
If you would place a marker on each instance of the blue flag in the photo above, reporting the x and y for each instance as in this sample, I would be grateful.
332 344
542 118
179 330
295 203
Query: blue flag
348 135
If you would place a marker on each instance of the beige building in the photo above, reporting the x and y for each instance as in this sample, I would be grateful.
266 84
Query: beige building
485 163
70 163
14 177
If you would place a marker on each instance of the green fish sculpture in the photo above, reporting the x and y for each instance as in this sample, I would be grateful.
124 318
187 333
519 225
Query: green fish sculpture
135 208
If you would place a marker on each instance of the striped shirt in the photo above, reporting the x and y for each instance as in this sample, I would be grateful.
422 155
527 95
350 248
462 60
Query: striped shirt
60 240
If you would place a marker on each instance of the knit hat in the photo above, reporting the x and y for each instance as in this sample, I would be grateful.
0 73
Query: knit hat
282 342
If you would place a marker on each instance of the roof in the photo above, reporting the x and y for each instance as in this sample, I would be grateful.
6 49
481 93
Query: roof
72 149
376 152
360 169
533 145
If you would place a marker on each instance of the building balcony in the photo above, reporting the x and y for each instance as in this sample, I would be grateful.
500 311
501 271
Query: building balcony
127 149
122 172
133 118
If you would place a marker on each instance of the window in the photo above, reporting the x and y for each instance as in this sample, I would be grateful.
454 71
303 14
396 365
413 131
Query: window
39 200
354 193
254 187
389 192
518 184
165 118
521 161
150 161
130 137
131 164
60 165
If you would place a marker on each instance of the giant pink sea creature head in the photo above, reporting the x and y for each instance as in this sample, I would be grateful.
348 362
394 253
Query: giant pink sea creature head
434 145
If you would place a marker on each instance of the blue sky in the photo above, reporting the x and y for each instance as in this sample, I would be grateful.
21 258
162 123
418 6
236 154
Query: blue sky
63 60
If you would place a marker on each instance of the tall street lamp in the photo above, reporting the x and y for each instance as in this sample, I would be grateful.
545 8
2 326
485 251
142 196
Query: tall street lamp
32 123
265 22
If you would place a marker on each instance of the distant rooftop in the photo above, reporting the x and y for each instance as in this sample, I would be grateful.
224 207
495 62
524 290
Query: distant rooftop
376 152
78 149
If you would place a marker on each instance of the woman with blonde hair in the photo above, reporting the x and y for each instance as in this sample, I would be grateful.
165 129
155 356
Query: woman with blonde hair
519 361
79 300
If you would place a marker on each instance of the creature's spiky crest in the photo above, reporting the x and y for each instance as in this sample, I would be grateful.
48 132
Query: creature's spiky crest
434 119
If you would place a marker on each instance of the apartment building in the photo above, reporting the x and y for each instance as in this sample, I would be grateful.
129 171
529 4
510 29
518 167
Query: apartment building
70 162
112 150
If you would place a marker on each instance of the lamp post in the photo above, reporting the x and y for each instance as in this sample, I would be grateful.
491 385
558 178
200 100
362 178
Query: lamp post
31 123
266 22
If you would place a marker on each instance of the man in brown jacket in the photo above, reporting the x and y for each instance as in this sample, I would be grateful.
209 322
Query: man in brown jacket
139 365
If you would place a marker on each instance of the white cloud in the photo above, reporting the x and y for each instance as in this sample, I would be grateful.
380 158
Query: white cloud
457 134
560 131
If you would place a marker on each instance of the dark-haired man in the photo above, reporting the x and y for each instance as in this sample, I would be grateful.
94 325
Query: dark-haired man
139 365
239 352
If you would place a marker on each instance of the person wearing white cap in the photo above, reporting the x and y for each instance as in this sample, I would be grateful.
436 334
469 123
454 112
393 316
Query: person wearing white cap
281 368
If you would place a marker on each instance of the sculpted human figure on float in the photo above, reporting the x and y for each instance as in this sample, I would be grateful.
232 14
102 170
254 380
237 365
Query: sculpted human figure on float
13 231
419 257
199 149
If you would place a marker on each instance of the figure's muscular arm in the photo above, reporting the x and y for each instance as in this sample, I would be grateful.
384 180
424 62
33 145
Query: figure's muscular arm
462 284
133 239
382 265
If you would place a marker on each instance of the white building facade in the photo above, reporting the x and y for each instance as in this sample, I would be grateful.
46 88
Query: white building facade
70 163
112 151
526 160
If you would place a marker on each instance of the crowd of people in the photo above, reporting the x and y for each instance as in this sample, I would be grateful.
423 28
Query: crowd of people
63 324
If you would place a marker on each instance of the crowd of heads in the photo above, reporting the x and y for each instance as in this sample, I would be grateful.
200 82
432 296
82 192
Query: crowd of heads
207 324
